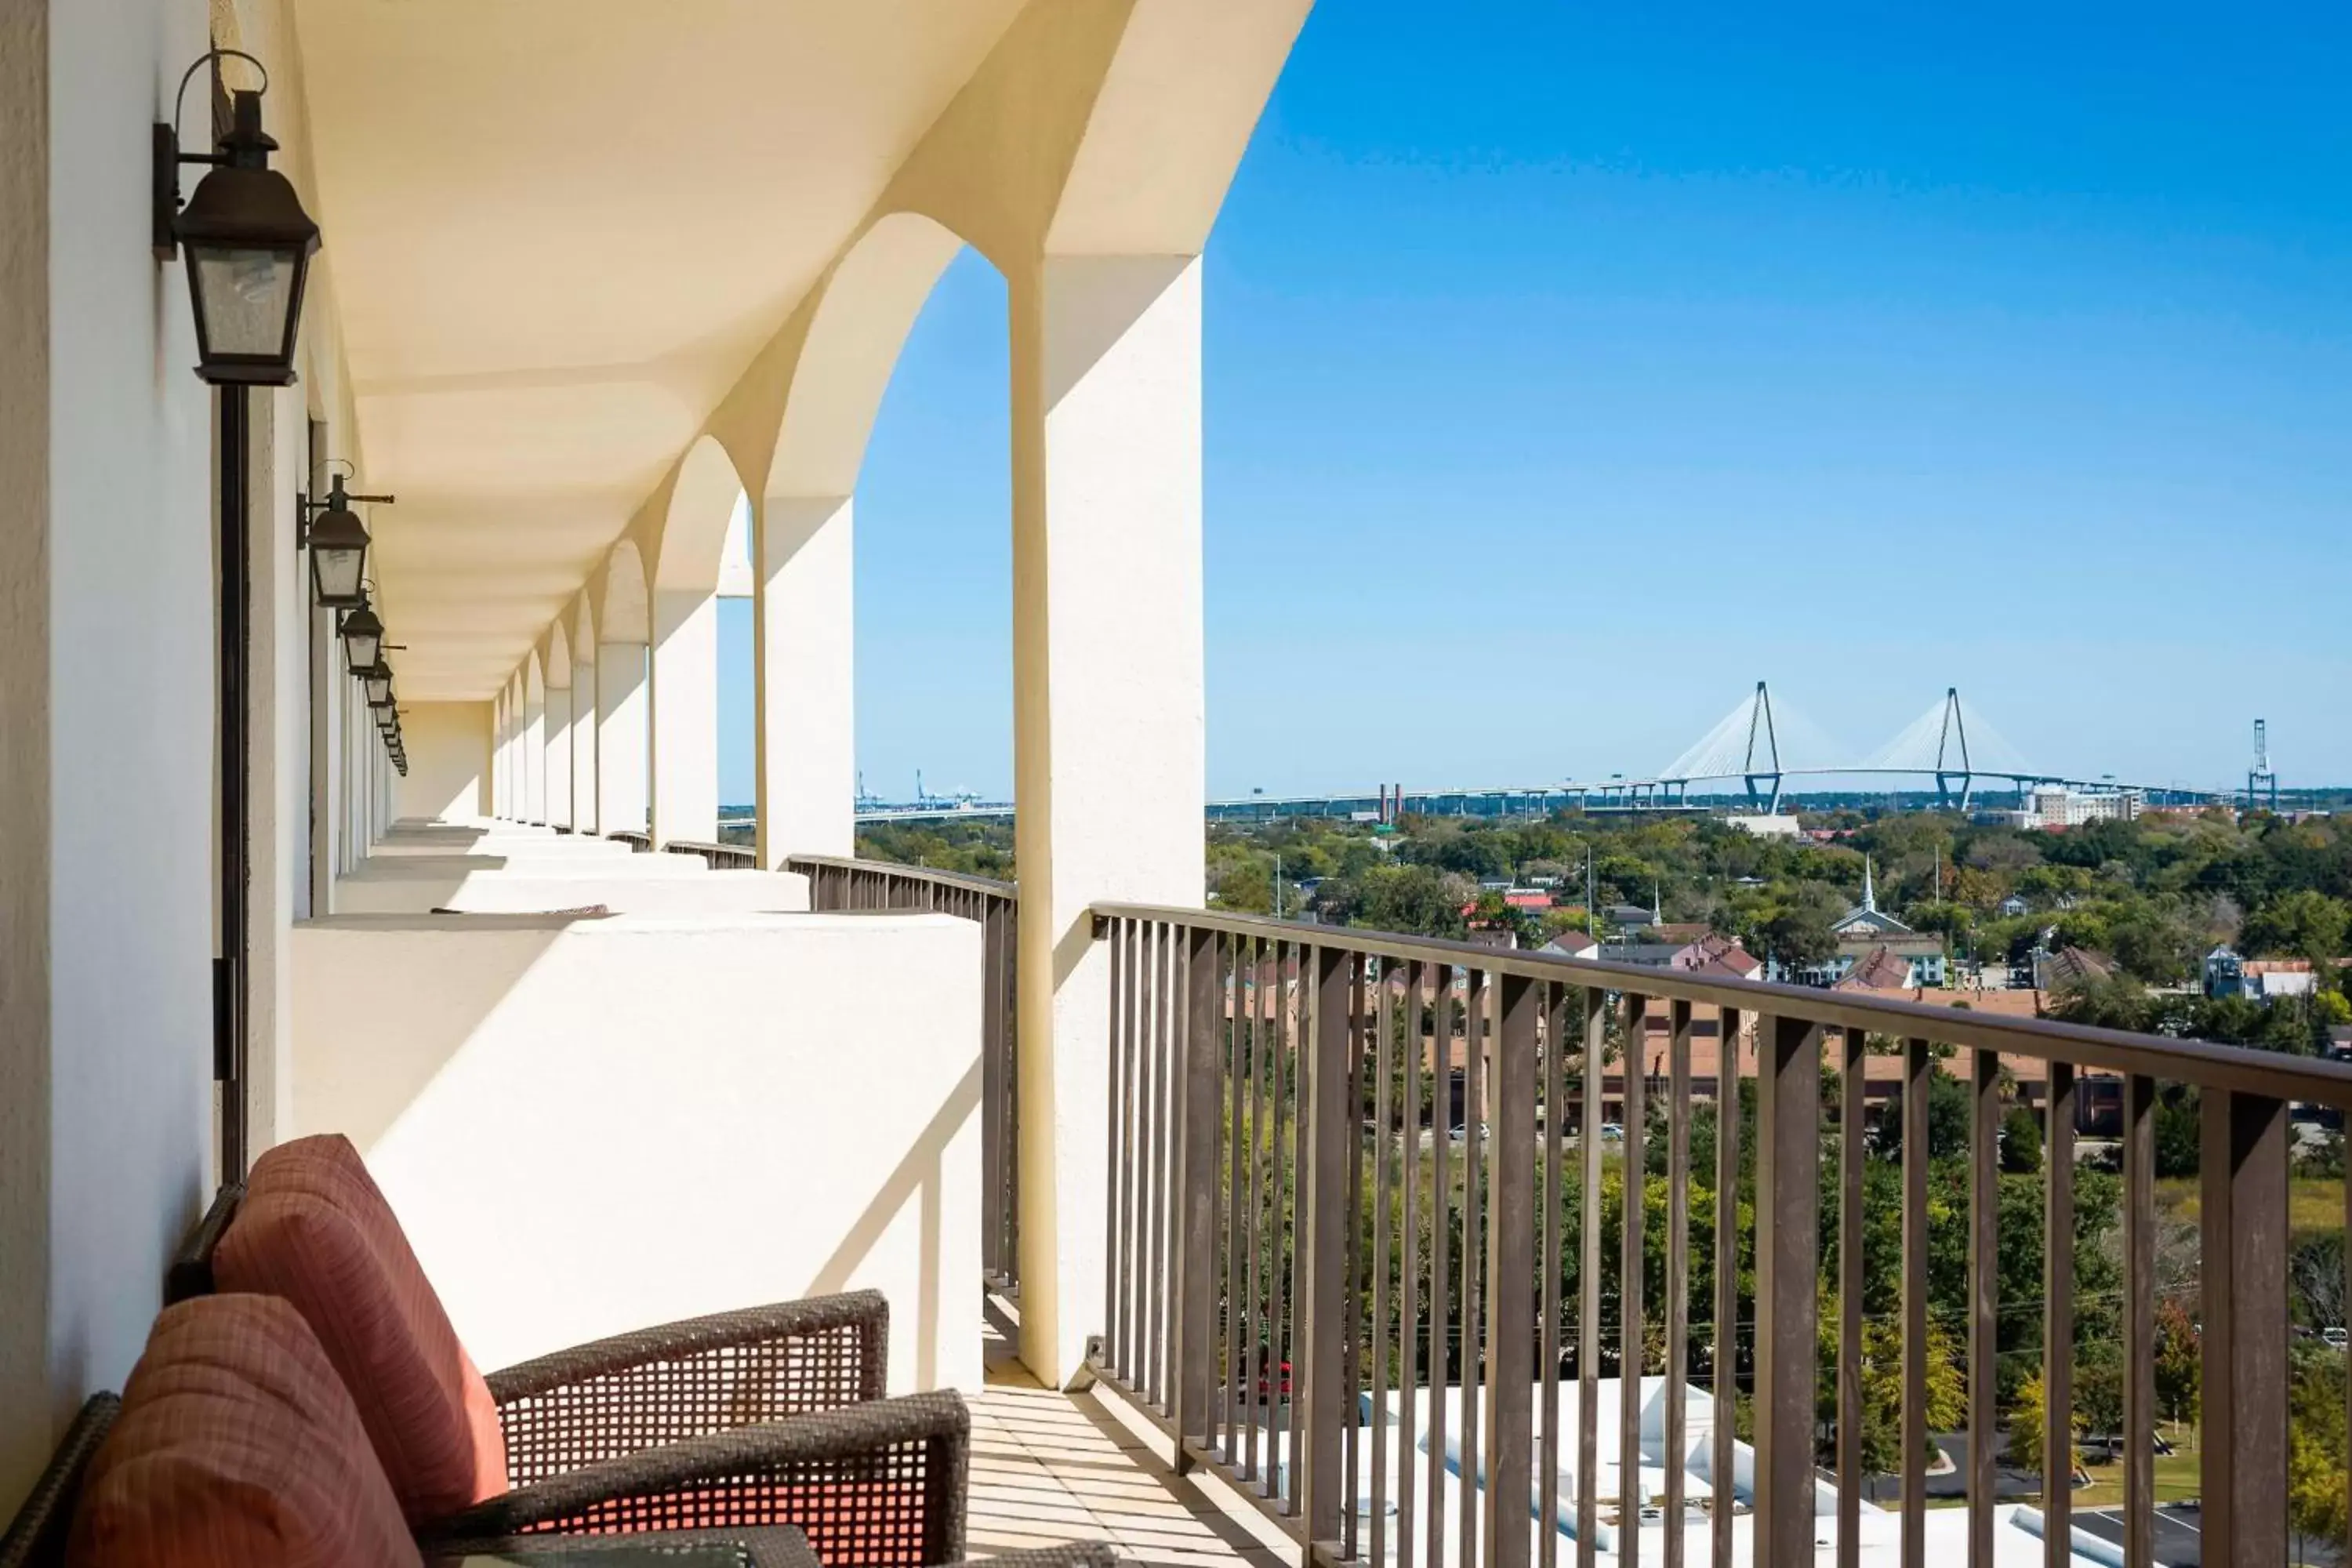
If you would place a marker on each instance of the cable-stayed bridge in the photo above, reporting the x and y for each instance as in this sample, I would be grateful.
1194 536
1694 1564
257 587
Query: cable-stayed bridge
1757 753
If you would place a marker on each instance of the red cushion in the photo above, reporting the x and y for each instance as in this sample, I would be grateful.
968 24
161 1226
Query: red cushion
314 1228
237 1445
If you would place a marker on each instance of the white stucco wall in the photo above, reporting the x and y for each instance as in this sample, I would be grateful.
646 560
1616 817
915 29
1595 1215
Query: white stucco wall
105 715
592 1126
520 891
448 762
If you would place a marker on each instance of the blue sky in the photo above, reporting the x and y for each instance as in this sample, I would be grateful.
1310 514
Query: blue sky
1571 368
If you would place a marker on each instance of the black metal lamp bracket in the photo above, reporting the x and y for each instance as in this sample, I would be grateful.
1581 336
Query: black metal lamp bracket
304 506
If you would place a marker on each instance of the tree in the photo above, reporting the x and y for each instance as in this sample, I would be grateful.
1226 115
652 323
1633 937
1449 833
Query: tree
2317 1453
1947 1121
2301 924
2179 1130
2027 1413
2178 1366
1415 899
1798 938
2021 1143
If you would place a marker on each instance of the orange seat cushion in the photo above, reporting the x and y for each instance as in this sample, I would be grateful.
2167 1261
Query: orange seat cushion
314 1229
236 1445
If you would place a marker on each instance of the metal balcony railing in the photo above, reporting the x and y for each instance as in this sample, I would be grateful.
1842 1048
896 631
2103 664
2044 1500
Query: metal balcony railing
720 857
847 884
1281 1218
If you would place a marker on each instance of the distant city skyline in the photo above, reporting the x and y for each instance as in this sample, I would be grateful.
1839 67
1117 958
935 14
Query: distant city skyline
1569 372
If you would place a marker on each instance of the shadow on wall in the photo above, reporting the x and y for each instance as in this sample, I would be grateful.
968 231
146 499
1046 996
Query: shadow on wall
922 1175
592 1126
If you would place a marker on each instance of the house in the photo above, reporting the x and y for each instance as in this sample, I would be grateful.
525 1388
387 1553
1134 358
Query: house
1631 917
2013 906
1715 955
2268 979
2224 973
1533 900
2071 969
1865 928
1574 945
1880 968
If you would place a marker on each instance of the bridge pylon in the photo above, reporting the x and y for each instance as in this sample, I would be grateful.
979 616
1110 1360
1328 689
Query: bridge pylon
1759 726
1952 753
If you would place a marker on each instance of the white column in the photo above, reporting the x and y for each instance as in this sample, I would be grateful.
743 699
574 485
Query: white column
585 804
277 768
621 703
803 663
326 677
498 776
533 742
559 755
1108 706
685 802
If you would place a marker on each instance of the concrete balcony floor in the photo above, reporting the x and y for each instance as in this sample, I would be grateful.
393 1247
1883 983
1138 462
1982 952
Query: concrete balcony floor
1049 1467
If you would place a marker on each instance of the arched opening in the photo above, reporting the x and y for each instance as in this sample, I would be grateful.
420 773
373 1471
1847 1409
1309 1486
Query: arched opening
738 711
583 719
623 704
807 725
558 751
934 590
704 498
533 759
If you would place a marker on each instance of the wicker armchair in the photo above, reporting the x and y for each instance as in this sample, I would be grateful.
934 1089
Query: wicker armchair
765 1415
36 1538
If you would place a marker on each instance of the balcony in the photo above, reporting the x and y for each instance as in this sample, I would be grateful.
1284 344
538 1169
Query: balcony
1169 1193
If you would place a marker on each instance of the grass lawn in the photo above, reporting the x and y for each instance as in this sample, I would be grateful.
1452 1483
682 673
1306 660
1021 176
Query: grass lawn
2175 1477
2314 1203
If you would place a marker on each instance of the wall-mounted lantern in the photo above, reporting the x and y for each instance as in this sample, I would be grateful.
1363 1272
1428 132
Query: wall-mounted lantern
249 244
362 634
337 543
378 682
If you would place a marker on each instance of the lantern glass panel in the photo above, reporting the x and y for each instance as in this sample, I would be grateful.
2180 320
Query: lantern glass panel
335 574
244 299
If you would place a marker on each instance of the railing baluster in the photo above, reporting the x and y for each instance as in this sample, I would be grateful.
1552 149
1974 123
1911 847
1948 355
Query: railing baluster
1409 1269
1236 1275
993 1064
1788 1242
2140 1321
1587 1325
1155 1164
2058 1319
1678 1435
1849 1353
2242 1169
1919 1064
1351 1333
1282 1225
1441 1294
1514 1003
1118 1334
1261 1179
1196 1195
1634 1060
1298 980
1984 1295
1383 1179
1475 1127
1555 1112
1327 1129
1722 1433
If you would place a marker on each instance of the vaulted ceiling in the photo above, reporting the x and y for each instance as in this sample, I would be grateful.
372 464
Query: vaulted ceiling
559 229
